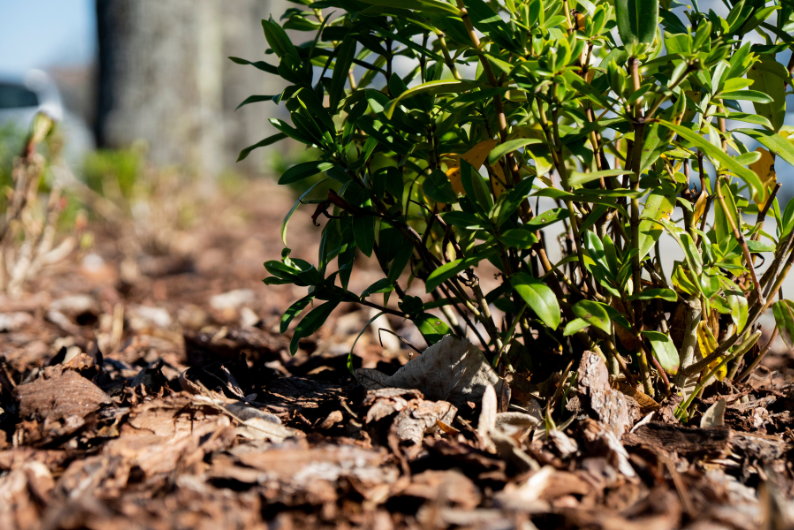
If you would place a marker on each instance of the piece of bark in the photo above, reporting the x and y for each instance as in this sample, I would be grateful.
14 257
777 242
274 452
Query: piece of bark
448 453
68 394
298 465
450 486
601 441
614 409
451 370
534 494
228 344
415 416
689 441
758 447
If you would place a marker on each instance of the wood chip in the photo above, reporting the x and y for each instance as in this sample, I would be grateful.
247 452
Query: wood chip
689 441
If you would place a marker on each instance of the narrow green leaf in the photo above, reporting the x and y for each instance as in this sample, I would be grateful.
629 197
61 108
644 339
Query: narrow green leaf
344 59
594 314
617 317
539 297
270 140
783 311
518 238
292 210
429 6
508 147
291 131
293 311
254 99
637 20
279 41
260 65
659 206
364 233
755 119
431 87
476 189
465 220
574 326
664 350
311 323
438 188
549 217
433 328
305 170
651 294
576 179
384 285
400 260
738 306
746 95
453 268
724 159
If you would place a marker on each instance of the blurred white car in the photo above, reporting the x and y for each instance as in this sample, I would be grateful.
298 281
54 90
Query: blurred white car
21 99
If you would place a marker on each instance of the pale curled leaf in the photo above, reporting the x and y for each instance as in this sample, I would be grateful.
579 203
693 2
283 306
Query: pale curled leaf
715 415
487 420
452 370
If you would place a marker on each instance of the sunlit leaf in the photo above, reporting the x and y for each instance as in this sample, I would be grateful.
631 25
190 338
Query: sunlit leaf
664 350
539 298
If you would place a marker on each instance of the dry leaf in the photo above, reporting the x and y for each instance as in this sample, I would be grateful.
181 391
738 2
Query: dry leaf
452 370
487 420
700 206
715 415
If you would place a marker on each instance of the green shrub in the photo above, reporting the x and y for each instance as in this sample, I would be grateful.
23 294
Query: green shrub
438 120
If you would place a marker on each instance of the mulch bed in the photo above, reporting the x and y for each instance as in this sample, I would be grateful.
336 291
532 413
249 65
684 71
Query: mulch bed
157 392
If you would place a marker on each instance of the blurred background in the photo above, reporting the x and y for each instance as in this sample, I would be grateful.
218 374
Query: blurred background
143 73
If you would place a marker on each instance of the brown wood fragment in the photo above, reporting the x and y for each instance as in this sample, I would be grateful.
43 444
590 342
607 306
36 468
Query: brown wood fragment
68 394
689 441
614 409
758 446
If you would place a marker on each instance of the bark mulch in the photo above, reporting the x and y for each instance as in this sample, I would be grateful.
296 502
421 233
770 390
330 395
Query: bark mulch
151 388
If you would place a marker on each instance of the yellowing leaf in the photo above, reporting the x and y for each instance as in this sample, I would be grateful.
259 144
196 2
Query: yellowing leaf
786 131
453 174
474 156
708 344
498 187
700 206
477 154
765 169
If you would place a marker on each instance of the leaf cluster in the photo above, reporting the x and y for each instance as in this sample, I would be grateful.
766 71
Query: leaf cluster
456 131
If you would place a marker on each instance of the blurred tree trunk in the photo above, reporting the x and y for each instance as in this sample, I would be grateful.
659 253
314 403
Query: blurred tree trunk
164 78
